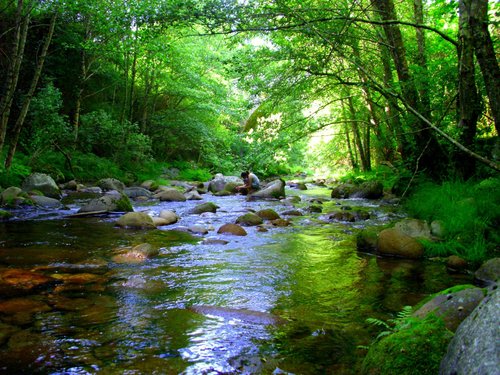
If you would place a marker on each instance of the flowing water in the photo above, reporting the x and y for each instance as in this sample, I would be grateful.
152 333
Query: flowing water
289 300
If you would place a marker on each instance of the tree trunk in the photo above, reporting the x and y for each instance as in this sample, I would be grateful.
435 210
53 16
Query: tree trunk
469 102
27 99
365 166
423 91
427 154
477 14
17 53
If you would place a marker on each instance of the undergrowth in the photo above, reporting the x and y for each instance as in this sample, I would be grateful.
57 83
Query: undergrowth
469 213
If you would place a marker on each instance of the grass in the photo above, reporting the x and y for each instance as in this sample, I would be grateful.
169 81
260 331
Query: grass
469 213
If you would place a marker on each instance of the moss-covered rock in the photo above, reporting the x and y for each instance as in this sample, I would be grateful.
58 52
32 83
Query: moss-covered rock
415 349
5 215
366 240
268 214
204 207
249 219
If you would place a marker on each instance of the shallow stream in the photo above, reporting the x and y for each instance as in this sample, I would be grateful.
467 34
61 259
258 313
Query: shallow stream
289 300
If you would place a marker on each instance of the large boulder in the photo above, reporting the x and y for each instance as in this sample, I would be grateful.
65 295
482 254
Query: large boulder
139 220
43 183
109 203
224 183
342 191
474 348
452 305
368 190
488 273
273 190
108 184
392 242
170 195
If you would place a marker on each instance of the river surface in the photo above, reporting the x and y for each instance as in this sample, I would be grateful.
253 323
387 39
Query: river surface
289 300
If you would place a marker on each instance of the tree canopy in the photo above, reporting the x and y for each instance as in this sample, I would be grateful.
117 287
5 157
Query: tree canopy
224 85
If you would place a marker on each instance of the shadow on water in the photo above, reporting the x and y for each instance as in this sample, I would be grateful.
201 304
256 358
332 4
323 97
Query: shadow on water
291 298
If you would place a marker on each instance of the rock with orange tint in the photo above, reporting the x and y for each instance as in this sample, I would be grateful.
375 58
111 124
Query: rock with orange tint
19 281
233 229
26 305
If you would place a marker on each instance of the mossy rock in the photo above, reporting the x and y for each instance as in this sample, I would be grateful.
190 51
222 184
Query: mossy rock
268 214
366 240
249 219
416 349
204 207
124 204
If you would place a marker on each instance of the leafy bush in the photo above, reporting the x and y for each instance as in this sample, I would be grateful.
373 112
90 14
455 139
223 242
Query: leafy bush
469 211
18 171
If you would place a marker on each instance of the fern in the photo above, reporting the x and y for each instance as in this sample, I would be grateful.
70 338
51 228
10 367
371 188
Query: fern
392 325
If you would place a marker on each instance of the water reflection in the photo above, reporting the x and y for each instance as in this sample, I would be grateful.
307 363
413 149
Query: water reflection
292 298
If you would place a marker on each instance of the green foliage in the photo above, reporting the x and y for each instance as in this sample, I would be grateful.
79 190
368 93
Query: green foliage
416 348
47 127
106 137
392 325
89 167
18 171
469 211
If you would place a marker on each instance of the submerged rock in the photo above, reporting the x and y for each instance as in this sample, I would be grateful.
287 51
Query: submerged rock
245 315
138 254
19 281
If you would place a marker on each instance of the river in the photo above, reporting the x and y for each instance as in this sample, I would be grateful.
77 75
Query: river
288 300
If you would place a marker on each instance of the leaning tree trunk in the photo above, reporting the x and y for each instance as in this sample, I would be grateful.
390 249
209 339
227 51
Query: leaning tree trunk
27 99
477 15
12 76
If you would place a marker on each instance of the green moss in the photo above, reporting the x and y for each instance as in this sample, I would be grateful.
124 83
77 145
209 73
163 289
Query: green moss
4 215
453 289
123 204
415 349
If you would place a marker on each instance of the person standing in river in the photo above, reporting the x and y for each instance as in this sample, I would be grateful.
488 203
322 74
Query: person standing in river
251 183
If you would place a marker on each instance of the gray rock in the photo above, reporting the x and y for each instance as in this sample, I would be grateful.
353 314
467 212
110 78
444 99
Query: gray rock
204 207
452 307
107 184
137 191
414 228
273 190
10 195
475 347
46 201
135 220
219 182
43 183
170 195
488 273
110 203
